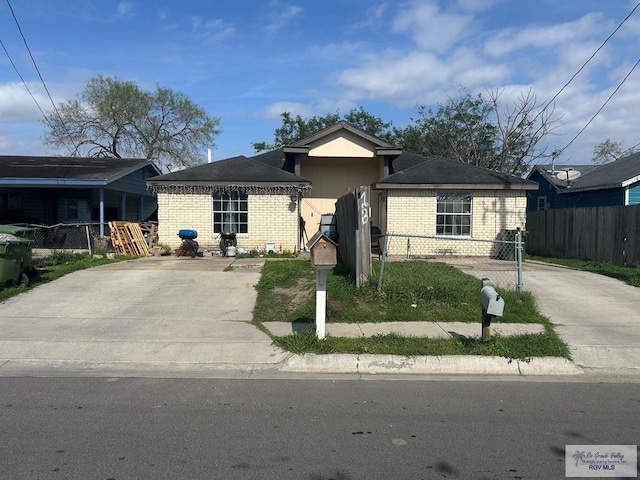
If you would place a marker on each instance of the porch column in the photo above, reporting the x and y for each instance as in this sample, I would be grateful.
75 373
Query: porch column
141 209
102 213
123 207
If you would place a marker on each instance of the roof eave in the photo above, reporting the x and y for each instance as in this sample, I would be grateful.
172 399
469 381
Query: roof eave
225 183
631 181
130 170
53 182
388 152
590 189
453 186
341 125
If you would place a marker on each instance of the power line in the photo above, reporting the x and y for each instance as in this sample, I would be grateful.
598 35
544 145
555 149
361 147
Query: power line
588 60
23 81
64 125
630 149
600 109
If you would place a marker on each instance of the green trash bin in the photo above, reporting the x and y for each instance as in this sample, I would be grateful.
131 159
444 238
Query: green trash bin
14 253
28 233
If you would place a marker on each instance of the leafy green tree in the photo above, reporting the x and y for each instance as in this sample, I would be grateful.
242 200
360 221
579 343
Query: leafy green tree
296 128
609 150
478 130
117 119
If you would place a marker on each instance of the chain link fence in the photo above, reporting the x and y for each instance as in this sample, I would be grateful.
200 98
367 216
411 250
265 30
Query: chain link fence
500 260
76 238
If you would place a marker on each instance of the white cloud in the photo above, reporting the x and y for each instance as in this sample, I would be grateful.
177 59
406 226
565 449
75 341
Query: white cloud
212 29
430 28
373 17
420 76
16 105
333 49
281 16
512 39
475 5
275 109
123 10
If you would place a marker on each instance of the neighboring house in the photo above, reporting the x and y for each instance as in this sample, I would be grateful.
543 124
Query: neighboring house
51 190
269 198
567 186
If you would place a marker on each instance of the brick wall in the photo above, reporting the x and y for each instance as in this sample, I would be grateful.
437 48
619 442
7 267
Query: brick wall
272 219
493 211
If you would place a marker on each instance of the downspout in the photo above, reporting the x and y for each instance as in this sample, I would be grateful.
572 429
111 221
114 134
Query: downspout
123 207
102 213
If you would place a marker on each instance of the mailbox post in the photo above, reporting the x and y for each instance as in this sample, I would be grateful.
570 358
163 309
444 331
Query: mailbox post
324 256
492 306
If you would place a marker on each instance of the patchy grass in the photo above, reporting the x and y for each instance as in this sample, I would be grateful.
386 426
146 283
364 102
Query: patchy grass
55 266
286 293
521 347
628 274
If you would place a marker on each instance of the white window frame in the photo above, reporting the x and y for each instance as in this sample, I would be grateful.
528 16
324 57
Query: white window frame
454 214
230 212
542 203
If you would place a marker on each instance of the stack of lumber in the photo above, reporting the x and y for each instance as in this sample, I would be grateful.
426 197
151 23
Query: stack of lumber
128 239
150 231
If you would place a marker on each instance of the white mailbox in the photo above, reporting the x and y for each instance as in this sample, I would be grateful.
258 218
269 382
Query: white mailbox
491 301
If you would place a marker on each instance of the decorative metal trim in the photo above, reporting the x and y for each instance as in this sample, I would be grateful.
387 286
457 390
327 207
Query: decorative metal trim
248 189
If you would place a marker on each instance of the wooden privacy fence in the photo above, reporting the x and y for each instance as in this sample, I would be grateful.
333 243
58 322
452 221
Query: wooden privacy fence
607 234
354 244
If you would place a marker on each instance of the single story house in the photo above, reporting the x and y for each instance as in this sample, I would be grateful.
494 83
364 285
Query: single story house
612 184
52 190
279 196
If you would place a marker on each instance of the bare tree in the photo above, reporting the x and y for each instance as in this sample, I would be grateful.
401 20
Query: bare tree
481 131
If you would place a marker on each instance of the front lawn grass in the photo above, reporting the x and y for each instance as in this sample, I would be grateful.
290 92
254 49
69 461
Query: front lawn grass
628 274
413 291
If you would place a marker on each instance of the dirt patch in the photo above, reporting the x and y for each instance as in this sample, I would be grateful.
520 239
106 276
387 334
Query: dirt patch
299 293
336 305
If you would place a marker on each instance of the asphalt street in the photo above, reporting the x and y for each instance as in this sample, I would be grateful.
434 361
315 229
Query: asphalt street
142 428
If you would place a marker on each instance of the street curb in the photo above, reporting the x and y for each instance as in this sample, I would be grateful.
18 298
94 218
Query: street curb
447 365
301 364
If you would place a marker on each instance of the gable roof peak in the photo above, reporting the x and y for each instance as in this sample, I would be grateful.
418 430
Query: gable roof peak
341 125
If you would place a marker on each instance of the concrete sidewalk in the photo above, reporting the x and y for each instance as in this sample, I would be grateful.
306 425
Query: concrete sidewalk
168 316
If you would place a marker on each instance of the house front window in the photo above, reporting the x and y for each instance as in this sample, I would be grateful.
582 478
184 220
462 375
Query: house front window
230 212
72 209
453 216
542 203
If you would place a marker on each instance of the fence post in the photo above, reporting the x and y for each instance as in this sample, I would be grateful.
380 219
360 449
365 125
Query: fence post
86 227
358 259
519 252
383 260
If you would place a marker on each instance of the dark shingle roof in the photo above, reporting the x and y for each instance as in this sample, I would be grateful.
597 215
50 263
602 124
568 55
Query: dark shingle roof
25 169
594 177
275 158
434 172
609 175
238 170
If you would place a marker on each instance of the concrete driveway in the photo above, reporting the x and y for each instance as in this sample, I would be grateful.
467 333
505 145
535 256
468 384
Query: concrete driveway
598 316
182 316
152 313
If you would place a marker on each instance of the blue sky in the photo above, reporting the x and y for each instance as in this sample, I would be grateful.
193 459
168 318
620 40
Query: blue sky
246 61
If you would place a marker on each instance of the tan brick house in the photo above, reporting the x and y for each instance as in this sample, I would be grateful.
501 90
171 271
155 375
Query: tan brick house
267 199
